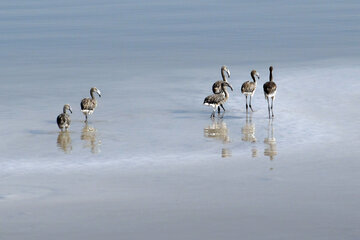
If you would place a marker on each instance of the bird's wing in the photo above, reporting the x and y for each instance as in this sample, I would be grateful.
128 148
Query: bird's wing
216 87
269 87
214 99
244 86
248 87
87 104
60 119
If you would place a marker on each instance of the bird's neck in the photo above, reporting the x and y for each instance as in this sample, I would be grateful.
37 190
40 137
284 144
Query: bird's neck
253 78
271 77
64 110
223 75
226 93
92 95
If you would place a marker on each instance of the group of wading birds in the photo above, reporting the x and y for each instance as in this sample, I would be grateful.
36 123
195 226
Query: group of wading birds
215 100
248 88
87 105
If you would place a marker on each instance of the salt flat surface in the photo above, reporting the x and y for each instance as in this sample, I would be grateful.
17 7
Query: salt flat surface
151 164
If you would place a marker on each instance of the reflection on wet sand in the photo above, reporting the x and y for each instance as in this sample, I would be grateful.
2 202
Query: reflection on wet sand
225 152
89 136
248 133
248 130
219 131
64 141
254 152
270 142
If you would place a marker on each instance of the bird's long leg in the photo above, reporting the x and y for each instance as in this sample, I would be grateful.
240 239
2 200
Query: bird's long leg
86 118
222 107
218 110
267 98
213 113
250 104
272 103
246 103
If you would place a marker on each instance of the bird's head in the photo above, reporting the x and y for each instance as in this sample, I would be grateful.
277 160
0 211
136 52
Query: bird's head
67 107
255 73
225 68
94 89
226 84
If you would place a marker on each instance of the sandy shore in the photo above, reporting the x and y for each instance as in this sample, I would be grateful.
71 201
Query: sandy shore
303 193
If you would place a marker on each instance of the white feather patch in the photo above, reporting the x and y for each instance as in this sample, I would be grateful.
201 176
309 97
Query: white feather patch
89 112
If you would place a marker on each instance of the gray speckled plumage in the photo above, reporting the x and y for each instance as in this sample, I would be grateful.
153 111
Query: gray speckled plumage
88 105
216 87
217 99
270 91
250 87
269 88
63 120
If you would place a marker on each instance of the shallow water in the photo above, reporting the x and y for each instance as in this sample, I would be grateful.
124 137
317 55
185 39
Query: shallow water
151 163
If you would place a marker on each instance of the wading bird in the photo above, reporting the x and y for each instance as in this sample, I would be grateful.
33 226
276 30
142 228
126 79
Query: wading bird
216 87
88 105
270 91
63 120
248 88
217 99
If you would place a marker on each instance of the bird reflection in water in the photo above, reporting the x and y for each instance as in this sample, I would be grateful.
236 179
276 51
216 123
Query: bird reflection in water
225 152
270 142
90 138
248 133
219 131
64 141
254 152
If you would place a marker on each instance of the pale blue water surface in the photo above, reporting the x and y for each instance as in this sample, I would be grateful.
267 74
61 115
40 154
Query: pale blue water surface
151 164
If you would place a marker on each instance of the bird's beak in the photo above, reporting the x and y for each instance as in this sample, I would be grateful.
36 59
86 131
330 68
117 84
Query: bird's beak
228 73
230 87
98 92
70 110
258 76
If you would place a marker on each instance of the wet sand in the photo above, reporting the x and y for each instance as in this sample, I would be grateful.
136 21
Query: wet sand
175 173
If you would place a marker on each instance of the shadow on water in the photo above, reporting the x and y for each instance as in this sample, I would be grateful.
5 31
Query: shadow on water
90 137
270 142
248 133
219 131
64 142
